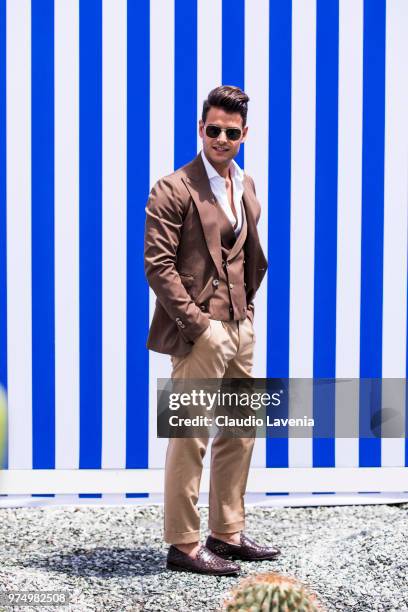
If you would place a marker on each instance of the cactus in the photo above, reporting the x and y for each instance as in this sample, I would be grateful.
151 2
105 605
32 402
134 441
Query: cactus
271 593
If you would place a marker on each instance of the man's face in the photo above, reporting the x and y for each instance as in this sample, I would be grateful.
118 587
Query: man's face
220 151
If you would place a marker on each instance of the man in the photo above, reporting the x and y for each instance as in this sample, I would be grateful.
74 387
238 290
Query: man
204 262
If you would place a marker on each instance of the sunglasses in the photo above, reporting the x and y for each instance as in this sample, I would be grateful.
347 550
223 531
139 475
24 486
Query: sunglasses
213 131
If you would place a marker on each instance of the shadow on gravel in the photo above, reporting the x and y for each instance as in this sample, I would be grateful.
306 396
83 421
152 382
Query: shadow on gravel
101 562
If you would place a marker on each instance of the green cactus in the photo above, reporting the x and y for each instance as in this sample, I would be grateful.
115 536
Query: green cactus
3 424
271 593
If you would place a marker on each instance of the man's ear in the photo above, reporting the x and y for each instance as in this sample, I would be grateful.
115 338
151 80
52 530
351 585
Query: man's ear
201 128
244 133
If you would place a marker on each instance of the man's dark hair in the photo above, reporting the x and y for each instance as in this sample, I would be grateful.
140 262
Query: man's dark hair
229 98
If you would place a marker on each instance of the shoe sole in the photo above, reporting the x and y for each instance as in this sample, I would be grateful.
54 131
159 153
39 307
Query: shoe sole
240 558
178 568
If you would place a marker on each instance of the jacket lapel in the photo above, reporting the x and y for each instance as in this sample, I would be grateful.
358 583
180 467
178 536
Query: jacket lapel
198 185
200 191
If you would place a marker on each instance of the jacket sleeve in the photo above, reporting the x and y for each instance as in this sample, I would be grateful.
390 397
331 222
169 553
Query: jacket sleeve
164 219
251 305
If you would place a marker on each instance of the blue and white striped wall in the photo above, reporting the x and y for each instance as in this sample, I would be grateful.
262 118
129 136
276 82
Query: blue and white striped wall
98 99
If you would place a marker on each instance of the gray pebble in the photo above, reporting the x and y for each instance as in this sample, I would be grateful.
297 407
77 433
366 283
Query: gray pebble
113 558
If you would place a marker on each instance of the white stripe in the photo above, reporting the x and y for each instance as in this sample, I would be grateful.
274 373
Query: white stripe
296 480
209 51
395 215
257 146
347 395
161 88
393 426
349 211
19 341
161 164
302 207
256 164
395 192
66 234
346 451
392 452
114 234
251 500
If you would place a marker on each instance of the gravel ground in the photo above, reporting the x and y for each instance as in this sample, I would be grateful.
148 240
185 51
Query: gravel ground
112 558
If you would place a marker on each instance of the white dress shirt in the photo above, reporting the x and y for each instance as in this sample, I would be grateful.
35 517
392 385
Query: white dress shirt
219 189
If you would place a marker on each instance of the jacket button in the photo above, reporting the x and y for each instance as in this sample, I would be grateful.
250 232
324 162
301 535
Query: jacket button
180 323
243 261
244 284
216 282
231 285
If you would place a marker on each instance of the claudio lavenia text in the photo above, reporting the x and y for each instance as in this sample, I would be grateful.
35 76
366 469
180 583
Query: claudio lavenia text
249 421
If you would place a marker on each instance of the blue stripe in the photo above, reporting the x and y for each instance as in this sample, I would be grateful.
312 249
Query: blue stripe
233 50
138 120
133 495
43 495
324 340
270 494
372 214
280 67
91 495
3 214
324 416
43 337
90 232
185 82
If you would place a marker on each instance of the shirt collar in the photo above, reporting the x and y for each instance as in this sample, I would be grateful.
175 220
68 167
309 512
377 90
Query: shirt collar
236 171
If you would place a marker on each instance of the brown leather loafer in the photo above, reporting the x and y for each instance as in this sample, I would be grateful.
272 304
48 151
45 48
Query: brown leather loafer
247 550
205 562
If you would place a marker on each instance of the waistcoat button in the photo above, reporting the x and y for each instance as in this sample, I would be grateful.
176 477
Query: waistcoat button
216 282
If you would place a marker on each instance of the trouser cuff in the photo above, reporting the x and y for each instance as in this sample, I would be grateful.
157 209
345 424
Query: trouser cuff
227 527
186 537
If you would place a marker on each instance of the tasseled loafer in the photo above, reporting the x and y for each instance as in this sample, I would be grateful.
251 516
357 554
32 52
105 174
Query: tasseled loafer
205 562
247 550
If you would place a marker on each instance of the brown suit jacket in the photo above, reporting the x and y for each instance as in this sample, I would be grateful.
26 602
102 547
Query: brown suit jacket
182 255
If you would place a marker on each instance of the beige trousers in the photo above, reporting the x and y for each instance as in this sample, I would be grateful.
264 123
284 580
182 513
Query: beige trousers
224 349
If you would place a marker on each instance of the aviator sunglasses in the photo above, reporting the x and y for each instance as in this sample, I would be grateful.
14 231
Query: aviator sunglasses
213 131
